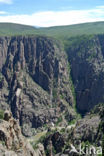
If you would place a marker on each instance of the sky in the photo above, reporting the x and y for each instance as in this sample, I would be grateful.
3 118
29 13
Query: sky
45 13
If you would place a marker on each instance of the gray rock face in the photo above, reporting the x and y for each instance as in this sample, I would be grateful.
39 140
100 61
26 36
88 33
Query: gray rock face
86 56
34 81
12 142
87 129
54 141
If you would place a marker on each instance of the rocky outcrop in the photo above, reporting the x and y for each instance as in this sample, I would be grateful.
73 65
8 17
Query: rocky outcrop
87 133
34 81
11 140
54 143
87 129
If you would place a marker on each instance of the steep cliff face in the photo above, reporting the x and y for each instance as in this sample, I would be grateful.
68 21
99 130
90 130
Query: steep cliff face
86 56
34 81
12 141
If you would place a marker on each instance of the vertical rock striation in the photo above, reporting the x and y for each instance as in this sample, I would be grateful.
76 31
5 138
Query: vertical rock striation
34 81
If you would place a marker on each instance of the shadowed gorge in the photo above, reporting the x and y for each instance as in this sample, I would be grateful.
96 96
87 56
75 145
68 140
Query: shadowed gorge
86 56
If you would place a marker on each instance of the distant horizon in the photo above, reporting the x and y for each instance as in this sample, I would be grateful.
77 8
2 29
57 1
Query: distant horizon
51 13
50 26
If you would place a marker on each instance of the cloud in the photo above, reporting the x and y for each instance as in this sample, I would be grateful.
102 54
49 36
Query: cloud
54 18
101 7
3 12
6 1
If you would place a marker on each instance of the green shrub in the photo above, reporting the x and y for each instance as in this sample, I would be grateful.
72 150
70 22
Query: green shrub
103 146
72 122
2 142
1 114
59 120
54 93
62 130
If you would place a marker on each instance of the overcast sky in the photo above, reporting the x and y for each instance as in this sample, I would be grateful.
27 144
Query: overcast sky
46 13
